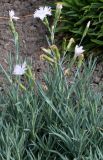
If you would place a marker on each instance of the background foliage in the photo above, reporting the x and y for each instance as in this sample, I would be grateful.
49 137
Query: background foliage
76 14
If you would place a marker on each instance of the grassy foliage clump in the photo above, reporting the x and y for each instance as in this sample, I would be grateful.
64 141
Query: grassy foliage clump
63 121
75 15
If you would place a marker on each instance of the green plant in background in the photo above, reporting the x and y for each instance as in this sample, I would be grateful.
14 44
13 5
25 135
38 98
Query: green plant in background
75 15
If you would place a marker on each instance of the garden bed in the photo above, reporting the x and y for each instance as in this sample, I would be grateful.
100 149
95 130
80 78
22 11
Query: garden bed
58 116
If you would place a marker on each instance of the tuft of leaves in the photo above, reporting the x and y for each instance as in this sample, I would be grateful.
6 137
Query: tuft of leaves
61 121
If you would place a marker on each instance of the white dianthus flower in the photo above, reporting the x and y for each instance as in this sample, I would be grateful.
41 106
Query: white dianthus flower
12 15
42 12
78 50
20 69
